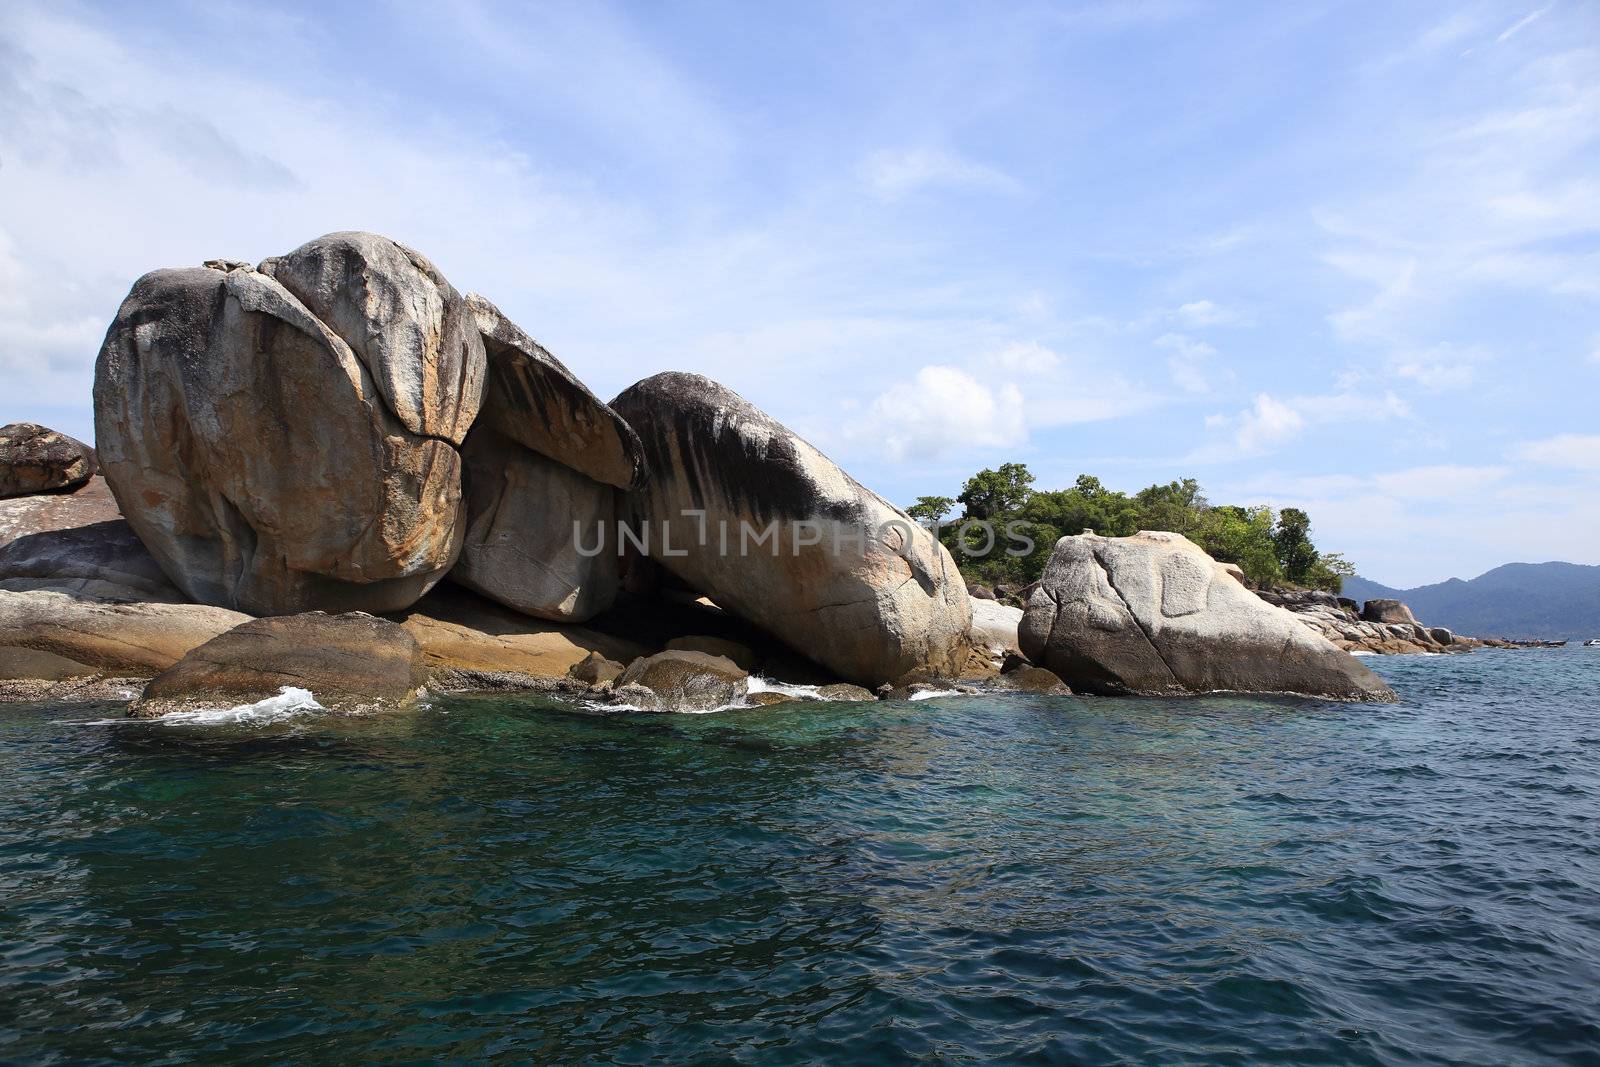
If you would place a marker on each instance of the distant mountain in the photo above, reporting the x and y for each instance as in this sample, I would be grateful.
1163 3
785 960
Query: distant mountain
1545 600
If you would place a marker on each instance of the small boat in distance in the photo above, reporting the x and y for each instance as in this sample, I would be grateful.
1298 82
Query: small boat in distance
1592 642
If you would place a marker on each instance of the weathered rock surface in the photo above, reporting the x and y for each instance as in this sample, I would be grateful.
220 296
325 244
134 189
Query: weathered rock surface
536 401
994 631
286 439
845 691
595 669
77 543
871 612
106 638
543 463
1021 676
469 643
346 661
1153 614
36 459
767 698
1339 620
687 681
527 518
742 655
1388 611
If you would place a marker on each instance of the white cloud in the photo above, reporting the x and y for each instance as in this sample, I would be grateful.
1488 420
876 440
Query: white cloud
1188 361
1261 427
943 409
1441 368
896 174
1574 451
1024 357
1270 423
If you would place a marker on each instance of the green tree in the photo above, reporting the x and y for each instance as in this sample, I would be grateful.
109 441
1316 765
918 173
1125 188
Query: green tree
1243 536
929 510
1292 541
993 494
1176 507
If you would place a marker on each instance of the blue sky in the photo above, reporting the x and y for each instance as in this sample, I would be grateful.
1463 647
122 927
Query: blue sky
1341 256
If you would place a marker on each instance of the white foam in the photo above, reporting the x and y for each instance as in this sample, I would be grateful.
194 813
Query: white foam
757 684
290 703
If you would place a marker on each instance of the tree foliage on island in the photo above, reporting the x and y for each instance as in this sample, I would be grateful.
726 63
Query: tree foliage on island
1271 549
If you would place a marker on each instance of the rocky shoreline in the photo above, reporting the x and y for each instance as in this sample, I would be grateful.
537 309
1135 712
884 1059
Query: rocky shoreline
331 471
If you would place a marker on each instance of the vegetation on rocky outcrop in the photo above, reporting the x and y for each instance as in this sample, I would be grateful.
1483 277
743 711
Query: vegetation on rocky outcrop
1271 548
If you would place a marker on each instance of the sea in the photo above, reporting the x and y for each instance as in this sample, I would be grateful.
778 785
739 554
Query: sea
962 879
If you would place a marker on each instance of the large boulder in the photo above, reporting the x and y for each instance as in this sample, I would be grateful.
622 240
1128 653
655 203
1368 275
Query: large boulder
100 637
540 537
287 438
1153 614
1388 612
680 680
746 512
77 543
544 464
346 661
536 401
35 459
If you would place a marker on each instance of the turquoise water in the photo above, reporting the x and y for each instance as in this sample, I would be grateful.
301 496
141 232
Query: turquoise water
1016 879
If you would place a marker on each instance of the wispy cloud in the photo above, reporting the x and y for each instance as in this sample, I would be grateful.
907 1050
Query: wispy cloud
896 174
1573 451
1521 24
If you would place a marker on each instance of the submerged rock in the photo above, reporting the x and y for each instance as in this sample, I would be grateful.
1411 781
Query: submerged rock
845 691
36 459
687 681
286 439
346 661
1153 614
749 514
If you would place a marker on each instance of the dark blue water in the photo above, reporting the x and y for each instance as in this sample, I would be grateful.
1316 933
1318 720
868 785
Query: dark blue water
1024 880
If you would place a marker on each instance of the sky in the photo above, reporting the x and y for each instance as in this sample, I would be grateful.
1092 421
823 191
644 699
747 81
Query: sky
1338 256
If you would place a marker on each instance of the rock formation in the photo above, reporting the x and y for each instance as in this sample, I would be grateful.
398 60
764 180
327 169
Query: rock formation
723 474
118 639
469 643
34 459
346 661
77 543
287 438
994 632
1153 614
1388 611
544 465
1341 622
686 681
